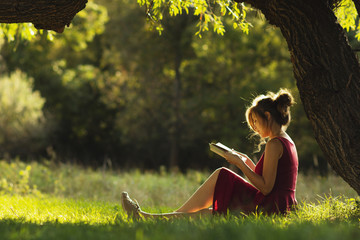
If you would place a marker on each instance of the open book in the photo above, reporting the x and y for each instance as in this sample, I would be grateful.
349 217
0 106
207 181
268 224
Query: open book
221 149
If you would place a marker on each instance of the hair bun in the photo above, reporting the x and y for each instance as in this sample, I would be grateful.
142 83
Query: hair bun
284 100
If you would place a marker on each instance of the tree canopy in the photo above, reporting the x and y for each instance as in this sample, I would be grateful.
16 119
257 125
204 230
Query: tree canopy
211 13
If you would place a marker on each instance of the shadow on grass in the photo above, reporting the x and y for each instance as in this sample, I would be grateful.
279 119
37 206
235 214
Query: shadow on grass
212 228
11 229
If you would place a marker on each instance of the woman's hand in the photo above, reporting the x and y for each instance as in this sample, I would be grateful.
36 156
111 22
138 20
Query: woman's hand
243 156
234 157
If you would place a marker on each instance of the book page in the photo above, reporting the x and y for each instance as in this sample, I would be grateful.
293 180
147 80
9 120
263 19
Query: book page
220 145
221 149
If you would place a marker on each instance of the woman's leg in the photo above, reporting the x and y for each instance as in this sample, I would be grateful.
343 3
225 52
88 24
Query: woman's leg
198 204
203 196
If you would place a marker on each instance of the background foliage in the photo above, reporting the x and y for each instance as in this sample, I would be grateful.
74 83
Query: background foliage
111 92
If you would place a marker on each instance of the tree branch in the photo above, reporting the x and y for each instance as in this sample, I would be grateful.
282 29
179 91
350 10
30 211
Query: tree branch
44 14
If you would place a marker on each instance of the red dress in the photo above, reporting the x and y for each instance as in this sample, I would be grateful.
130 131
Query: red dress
232 192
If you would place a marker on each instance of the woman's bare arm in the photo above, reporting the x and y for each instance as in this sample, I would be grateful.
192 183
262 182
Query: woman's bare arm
248 161
264 183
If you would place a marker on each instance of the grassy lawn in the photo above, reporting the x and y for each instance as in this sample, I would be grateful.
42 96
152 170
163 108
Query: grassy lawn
40 201
41 217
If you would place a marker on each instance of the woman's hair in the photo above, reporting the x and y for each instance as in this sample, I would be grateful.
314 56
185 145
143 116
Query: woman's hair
277 104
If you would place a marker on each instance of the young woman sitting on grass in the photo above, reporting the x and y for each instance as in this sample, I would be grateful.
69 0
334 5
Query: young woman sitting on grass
272 180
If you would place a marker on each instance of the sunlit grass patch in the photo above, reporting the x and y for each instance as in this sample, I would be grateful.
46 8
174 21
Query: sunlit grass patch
46 217
329 208
45 209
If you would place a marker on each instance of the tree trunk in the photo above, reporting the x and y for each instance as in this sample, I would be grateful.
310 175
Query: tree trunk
44 14
328 78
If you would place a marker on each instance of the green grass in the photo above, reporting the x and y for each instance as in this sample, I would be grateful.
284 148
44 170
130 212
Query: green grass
46 201
34 217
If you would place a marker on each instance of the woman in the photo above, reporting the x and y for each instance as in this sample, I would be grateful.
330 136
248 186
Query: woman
272 181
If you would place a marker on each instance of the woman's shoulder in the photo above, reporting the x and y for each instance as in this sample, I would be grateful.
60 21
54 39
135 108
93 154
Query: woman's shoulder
284 137
274 142
288 146
274 146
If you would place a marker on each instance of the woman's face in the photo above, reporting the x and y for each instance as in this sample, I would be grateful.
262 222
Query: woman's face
260 126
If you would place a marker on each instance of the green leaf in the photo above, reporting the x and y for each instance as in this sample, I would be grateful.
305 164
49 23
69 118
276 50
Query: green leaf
209 12
347 16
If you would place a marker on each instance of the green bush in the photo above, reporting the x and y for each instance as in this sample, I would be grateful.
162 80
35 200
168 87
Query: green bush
22 120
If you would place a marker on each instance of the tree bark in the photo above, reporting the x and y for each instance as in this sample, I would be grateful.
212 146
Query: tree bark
327 73
44 14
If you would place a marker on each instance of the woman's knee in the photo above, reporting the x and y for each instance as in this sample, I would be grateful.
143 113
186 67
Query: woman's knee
216 173
220 169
